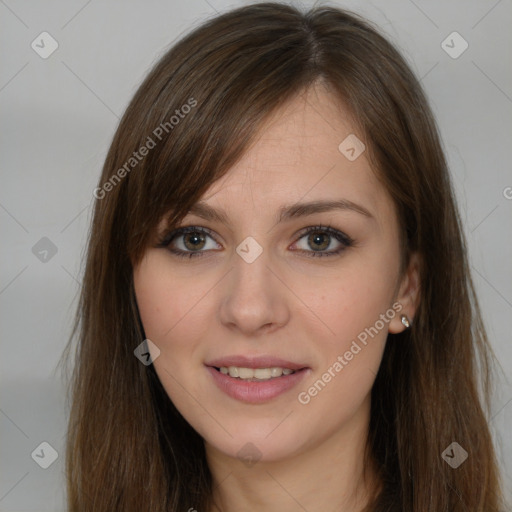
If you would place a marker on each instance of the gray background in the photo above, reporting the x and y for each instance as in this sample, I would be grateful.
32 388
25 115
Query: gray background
58 117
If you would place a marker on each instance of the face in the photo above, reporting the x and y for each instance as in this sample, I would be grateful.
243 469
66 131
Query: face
271 319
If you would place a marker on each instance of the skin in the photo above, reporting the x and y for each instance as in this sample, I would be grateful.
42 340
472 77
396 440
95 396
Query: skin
285 304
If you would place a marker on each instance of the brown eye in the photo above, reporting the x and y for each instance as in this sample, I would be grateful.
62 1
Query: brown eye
190 241
194 240
320 238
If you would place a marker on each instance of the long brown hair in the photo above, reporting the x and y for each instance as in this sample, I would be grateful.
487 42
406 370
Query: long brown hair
196 113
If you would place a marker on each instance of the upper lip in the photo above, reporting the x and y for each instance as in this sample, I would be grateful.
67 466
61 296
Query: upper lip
254 362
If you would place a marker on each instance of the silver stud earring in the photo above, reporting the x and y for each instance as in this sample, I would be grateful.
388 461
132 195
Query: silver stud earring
405 321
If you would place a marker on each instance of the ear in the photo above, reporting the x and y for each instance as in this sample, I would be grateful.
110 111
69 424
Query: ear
408 295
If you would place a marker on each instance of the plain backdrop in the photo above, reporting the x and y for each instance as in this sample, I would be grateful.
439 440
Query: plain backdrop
59 114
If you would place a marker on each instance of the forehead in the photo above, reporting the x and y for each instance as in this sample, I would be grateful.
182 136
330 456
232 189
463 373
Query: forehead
296 156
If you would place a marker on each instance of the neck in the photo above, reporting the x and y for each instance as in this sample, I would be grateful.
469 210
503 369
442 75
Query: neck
331 475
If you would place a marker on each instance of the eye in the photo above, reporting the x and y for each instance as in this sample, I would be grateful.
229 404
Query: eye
320 238
190 240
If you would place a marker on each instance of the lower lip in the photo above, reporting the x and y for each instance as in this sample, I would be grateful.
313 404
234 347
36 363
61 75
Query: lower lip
254 392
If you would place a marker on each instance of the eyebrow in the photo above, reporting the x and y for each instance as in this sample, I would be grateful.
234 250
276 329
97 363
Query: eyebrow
287 212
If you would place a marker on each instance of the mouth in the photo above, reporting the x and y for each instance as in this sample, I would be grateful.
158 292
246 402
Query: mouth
256 380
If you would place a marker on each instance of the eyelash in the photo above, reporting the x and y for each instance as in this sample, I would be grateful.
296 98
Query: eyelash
166 239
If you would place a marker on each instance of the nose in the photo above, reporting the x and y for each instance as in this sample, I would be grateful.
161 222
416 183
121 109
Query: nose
254 298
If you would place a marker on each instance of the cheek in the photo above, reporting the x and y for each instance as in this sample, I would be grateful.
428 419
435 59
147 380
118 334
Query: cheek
167 300
174 317
349 300
345 344
354 305
177 312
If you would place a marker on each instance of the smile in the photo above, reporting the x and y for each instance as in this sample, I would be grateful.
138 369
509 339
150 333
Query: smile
255 381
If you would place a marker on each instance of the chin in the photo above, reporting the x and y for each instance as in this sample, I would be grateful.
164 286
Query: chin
258 442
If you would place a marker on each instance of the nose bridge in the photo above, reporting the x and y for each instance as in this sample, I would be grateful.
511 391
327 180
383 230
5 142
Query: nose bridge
253 297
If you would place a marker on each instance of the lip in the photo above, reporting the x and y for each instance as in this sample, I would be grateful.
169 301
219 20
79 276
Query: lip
255 392
255 362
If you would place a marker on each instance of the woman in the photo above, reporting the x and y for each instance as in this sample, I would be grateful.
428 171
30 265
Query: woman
277 311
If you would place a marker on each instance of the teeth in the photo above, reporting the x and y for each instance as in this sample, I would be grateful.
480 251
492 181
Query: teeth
255 373
276 372
243 373
263 373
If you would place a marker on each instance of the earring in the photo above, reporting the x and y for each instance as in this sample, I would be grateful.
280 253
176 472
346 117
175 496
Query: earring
405 321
